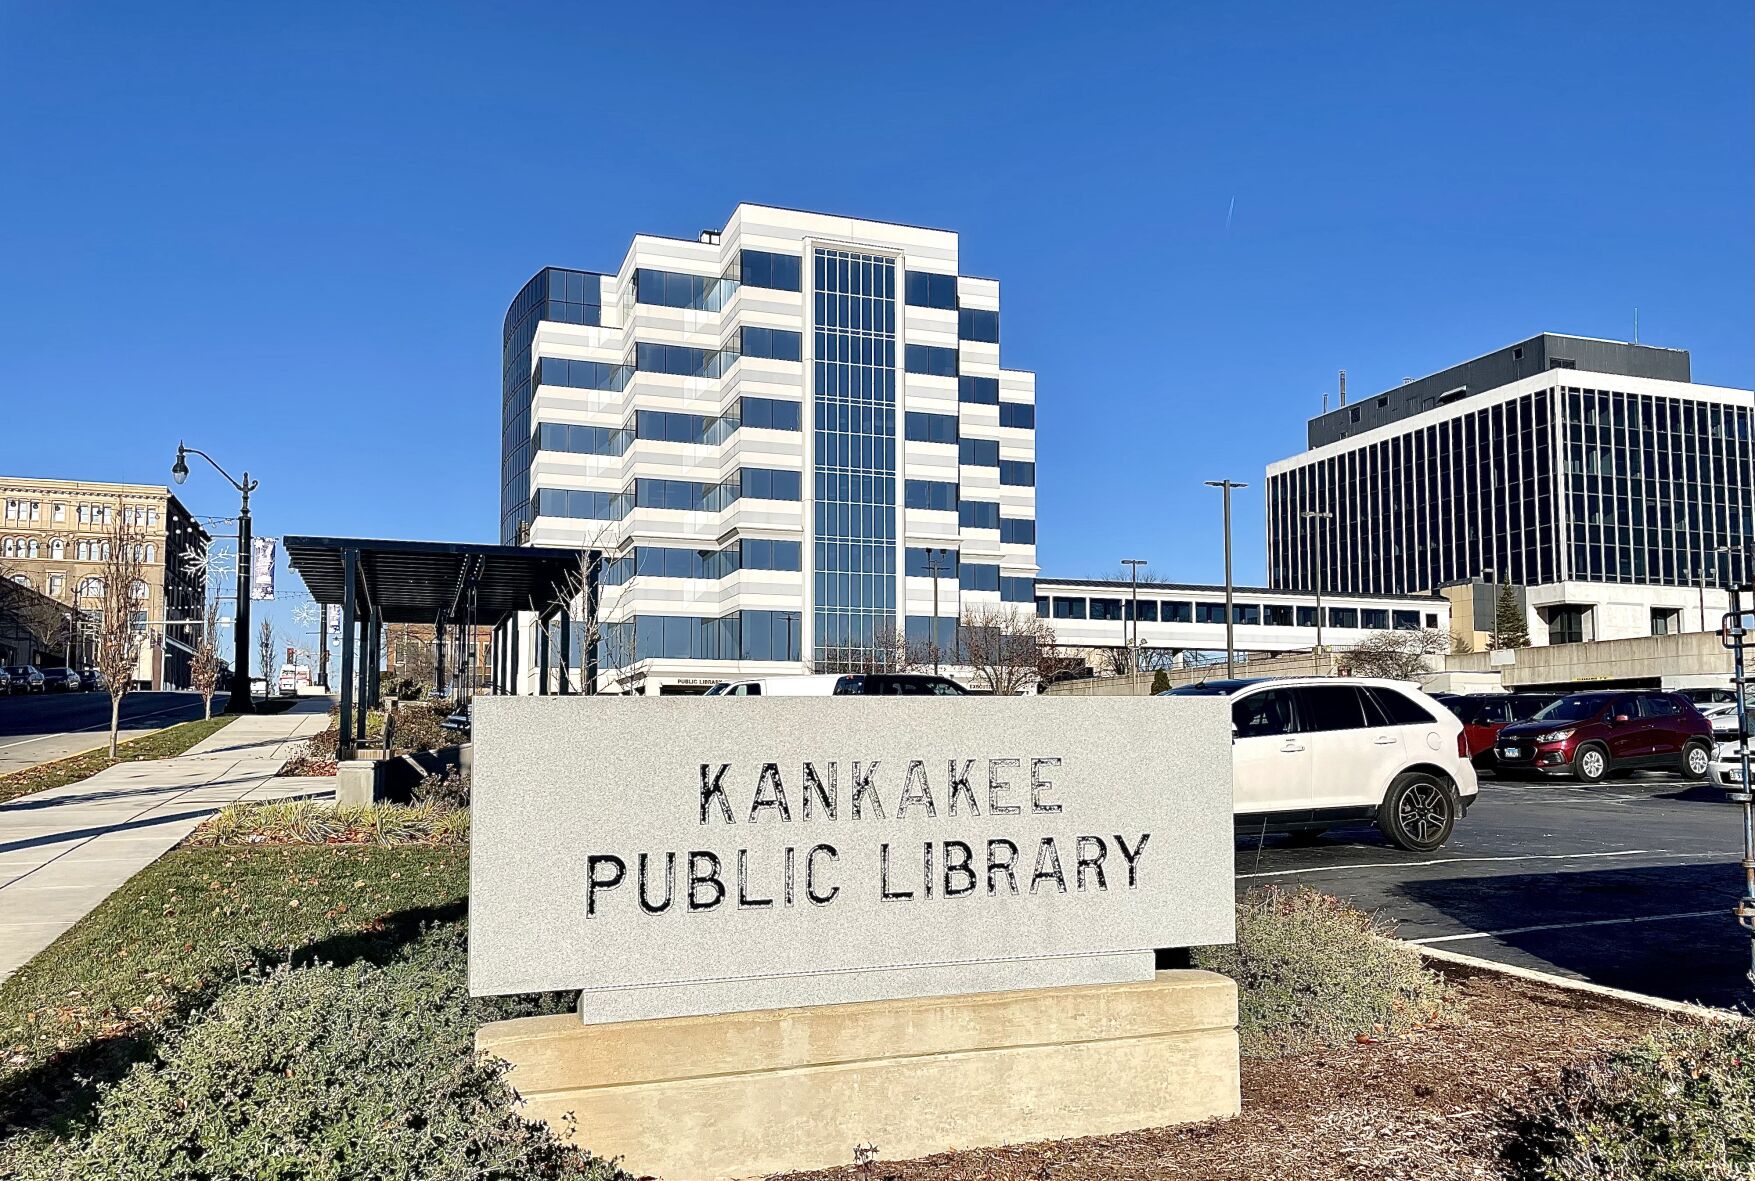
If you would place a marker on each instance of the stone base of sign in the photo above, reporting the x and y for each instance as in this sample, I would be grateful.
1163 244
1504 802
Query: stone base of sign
744 1094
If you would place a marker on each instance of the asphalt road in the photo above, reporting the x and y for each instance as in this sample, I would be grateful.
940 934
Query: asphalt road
1629 883
37 727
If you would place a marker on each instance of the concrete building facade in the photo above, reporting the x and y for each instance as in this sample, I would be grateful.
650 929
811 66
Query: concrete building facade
55 536
1619 500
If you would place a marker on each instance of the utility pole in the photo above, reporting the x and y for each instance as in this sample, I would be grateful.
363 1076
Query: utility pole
1492 572
1133 649
1316 564
932 560
1230 605
1717 580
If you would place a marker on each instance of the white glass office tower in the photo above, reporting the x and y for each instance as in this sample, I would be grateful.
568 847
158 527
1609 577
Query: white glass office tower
776 433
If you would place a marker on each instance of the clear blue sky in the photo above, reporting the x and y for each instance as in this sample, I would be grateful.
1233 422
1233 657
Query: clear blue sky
289 232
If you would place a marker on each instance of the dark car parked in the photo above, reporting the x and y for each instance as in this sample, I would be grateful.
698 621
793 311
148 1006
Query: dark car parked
92 681
1592 735
22 678
1483 715
61 680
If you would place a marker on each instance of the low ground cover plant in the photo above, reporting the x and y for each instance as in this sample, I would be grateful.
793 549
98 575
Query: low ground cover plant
195 922
1312 970
355 1071
1677 1106
309 822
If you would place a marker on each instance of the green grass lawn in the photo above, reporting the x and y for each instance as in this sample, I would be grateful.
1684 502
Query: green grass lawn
163 744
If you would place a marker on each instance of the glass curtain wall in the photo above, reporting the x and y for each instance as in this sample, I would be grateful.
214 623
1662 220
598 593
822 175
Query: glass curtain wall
854 408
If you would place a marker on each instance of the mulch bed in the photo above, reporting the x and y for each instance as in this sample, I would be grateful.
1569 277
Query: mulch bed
1425 1105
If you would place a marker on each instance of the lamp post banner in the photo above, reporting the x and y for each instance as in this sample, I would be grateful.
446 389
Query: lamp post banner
262 569
676 856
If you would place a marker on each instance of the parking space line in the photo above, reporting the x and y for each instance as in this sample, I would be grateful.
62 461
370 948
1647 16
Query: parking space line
1473 860
1645 918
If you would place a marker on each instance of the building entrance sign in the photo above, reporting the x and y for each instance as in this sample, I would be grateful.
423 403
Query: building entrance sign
679 856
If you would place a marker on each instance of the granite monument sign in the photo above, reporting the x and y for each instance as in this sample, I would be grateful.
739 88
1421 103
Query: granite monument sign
679 856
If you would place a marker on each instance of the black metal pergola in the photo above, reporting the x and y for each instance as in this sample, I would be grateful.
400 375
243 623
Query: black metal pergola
454 586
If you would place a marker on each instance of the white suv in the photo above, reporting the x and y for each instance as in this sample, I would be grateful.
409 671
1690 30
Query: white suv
1311 753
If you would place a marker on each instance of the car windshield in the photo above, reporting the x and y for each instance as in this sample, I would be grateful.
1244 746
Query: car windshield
1571 709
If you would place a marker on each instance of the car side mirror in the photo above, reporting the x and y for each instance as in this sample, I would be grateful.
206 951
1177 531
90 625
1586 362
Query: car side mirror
1621 719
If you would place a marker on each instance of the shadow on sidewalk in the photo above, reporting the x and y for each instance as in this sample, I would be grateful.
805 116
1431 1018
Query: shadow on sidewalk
72 835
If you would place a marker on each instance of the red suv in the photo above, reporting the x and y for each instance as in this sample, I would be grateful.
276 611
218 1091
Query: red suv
1483 715
1590 735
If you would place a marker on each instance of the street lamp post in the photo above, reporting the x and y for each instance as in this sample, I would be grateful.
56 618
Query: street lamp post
1492 573
933 555
1133 648
1316 568
238 700
1230 607
1717 579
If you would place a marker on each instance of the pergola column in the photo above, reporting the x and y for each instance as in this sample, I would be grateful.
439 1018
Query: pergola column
350 561
542 656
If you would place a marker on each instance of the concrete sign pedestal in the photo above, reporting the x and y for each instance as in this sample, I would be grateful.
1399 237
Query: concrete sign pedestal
746 1094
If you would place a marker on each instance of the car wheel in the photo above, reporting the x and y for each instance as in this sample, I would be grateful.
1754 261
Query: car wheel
1696 761
1419 811
1590 764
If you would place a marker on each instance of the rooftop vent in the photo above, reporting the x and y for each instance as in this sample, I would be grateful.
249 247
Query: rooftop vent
710 237
1448 396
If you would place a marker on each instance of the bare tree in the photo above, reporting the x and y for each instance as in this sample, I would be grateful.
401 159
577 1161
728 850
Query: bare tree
889 652
119 638
264 654
204 665
1003 645
1400 655
591 598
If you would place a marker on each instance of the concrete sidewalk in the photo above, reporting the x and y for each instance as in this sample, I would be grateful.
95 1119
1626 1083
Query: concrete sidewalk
65 850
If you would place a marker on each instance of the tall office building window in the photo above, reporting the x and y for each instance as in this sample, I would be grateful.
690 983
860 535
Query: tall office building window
855 441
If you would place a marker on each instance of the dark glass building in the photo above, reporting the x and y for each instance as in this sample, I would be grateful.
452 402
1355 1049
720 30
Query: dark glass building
1563 475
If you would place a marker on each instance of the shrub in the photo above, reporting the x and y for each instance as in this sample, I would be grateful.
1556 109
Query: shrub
1160 682
307 822
448 789
1677 1106
1312 970
359 1072
417 728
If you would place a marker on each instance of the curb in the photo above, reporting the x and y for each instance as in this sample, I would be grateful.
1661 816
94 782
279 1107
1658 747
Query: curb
1661 1004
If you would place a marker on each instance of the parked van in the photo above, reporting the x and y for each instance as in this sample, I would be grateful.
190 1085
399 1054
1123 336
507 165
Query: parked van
842 685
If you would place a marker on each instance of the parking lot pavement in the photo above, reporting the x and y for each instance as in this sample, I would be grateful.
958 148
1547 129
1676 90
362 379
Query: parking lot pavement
1629 883
38 727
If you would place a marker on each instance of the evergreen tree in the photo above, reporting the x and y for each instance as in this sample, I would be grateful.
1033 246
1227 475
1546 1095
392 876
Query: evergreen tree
1509 628
1160 681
